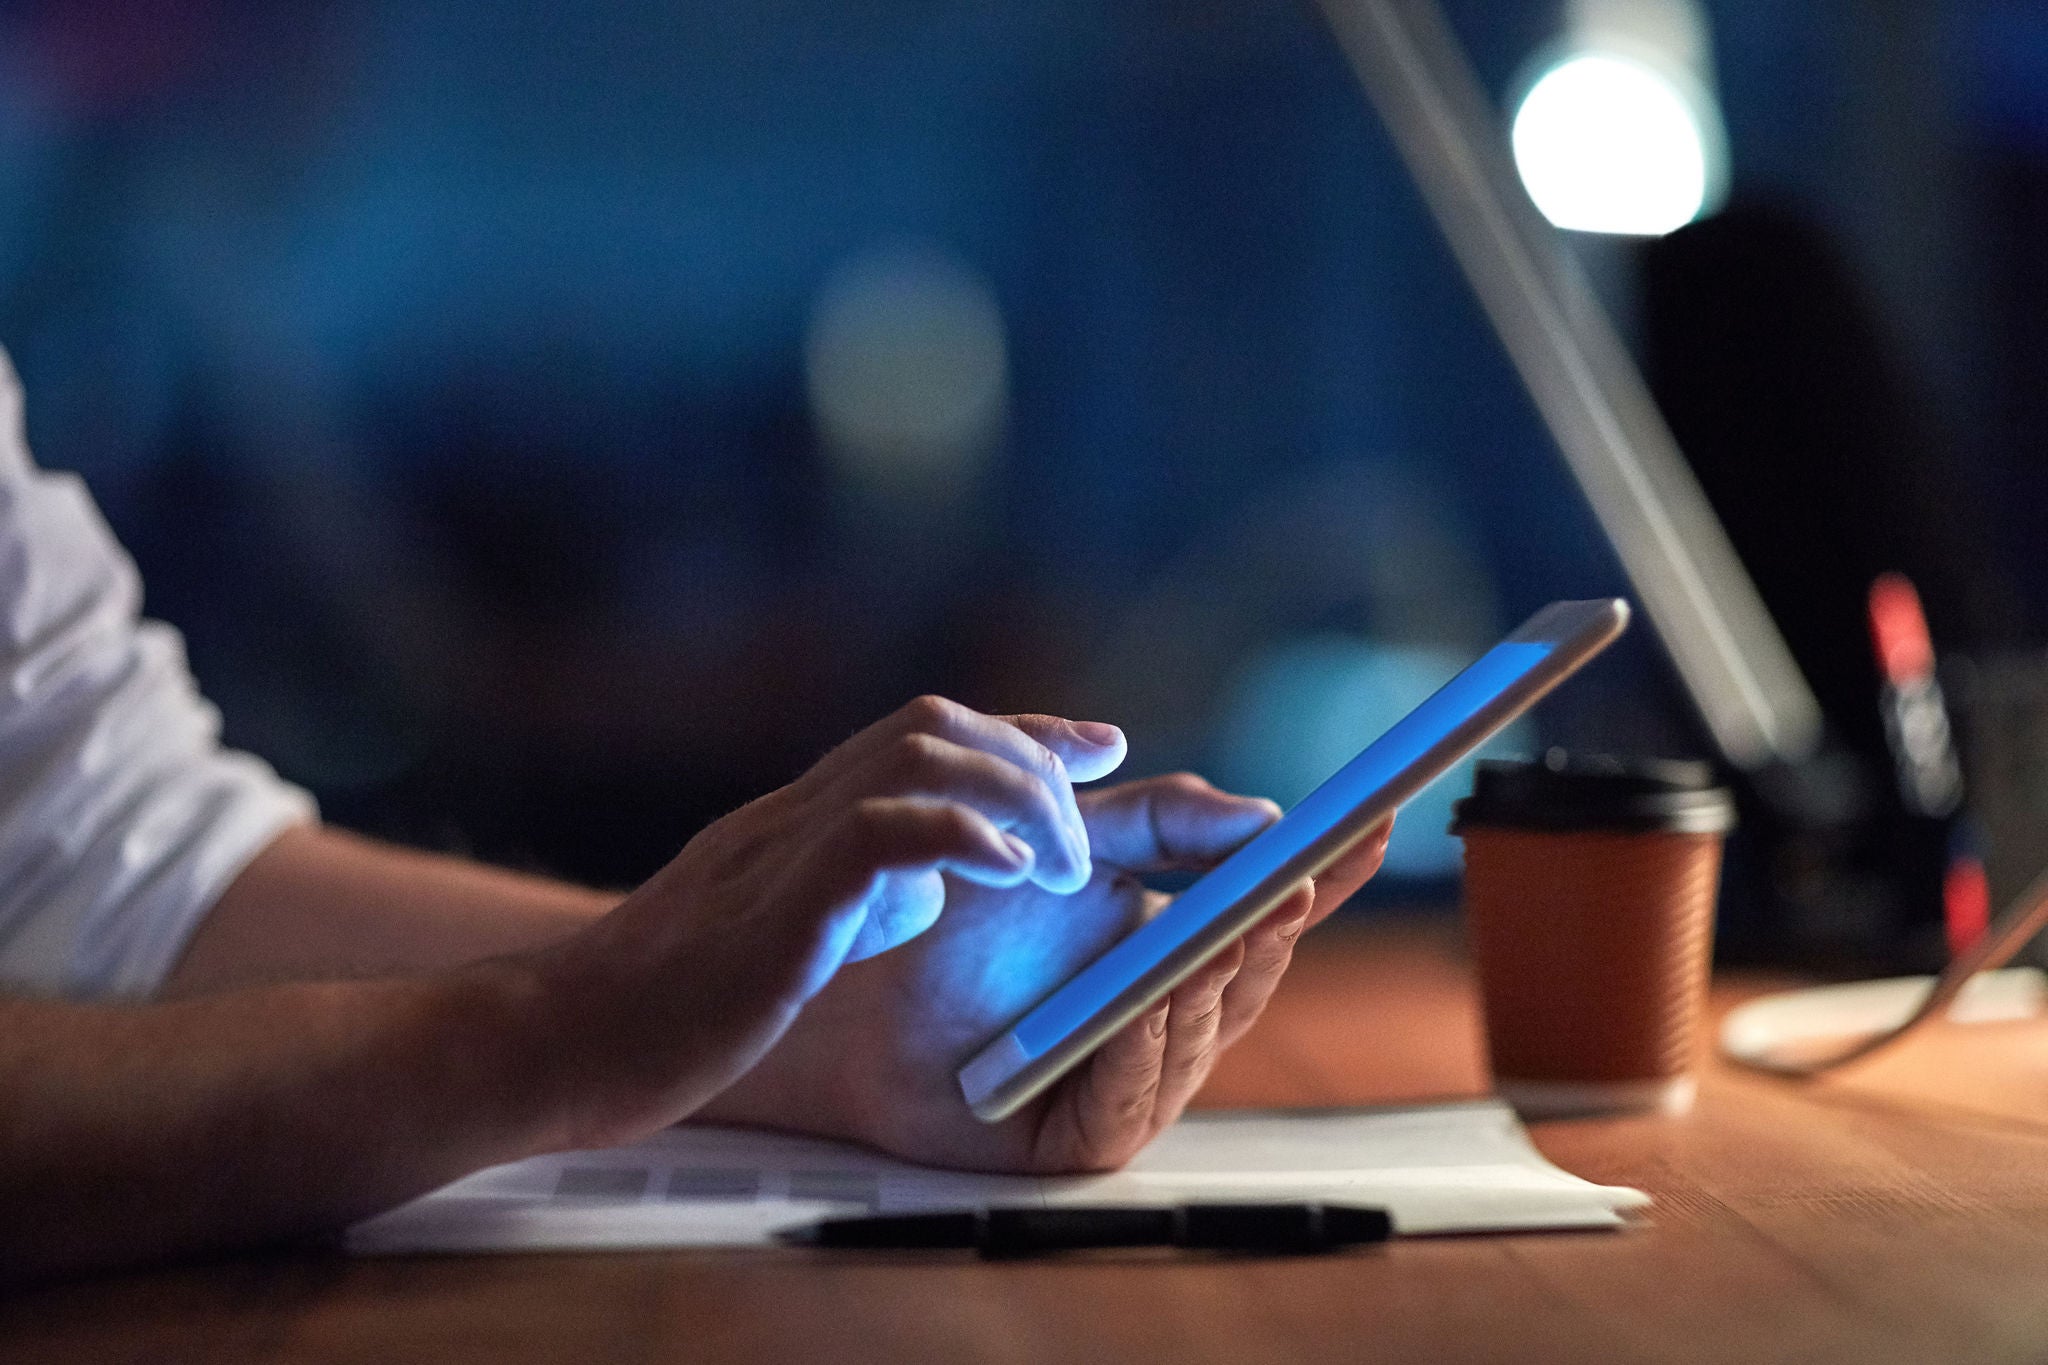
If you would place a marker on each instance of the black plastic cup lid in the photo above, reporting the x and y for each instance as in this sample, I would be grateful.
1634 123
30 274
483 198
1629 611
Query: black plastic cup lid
1567 792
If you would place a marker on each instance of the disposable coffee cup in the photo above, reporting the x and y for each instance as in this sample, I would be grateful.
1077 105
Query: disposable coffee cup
1589 903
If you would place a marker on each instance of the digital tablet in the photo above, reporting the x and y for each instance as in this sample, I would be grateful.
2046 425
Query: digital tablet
1139 970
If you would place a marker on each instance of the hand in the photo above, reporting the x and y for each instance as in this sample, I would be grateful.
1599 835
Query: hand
694 976
872 1059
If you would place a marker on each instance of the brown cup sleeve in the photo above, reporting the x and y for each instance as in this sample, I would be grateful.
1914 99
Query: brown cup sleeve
1592 950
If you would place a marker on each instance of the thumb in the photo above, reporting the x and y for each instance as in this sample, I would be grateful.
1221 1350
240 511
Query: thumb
1178 820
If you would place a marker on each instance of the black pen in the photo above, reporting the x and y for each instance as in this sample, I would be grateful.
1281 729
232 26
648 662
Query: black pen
1004 1233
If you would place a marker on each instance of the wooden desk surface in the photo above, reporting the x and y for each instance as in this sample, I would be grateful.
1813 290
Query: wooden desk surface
1899 1214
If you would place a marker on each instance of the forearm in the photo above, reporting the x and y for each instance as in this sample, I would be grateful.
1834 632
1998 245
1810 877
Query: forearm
323 904
129 1133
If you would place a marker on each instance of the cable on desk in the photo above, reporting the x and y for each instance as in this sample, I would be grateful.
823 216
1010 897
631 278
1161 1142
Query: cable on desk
1757 1034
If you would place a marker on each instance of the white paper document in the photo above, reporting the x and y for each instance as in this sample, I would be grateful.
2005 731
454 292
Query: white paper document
1461 1167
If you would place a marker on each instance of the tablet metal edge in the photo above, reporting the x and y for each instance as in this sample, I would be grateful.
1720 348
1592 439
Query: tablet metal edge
982 1078
1006 1076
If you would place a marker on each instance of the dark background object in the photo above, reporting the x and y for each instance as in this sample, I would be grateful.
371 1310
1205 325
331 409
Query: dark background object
1809 435
452 372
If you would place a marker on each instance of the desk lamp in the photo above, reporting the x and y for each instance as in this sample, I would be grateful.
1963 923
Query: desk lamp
1728 652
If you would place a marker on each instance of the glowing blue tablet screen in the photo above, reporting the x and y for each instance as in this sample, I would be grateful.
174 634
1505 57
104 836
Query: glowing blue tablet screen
1452 705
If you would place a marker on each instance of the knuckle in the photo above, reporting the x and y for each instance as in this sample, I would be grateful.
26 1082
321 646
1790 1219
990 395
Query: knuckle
1207 1013
863 820
1134 1112
1185 784
918 752
885 823
958 819
1041 762
1184 1071
930 711
955 824
1037 793
1128 1099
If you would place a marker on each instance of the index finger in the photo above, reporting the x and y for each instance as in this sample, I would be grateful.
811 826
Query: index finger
1055 751
1086 750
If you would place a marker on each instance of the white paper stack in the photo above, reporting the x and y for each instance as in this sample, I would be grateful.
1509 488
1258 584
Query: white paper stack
1463 1167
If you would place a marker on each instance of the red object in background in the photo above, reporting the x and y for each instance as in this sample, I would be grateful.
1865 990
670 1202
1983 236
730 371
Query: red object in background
1916 728
1965 903
1898 630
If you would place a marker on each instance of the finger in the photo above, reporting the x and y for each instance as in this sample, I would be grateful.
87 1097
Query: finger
1193 1020
1340 881
920 764
1045 746
1102 1114
1062 752
816 913
1089 748
1268 949
1177 820
1086 749
907 834
876 877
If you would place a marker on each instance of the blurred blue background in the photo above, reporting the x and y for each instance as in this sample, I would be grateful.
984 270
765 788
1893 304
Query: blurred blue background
554 424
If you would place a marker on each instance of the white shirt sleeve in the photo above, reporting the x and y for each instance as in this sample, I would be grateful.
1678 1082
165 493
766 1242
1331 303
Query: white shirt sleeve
122 820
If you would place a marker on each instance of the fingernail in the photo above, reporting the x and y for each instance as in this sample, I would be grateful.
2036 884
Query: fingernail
1020 852
1095 732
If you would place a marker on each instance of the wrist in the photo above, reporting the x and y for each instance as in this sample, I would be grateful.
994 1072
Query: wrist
816 1080
536 1026
611 1056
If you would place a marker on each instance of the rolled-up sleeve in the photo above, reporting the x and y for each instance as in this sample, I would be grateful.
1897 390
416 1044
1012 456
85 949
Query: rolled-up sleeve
122 819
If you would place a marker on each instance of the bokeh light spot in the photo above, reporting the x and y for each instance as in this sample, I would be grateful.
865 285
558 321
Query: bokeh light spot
1605 143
